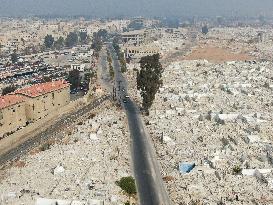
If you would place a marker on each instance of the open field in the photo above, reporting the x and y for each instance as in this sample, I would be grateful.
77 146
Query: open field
216 55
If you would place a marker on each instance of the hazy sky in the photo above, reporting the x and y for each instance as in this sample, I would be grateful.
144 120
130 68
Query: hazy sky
109 8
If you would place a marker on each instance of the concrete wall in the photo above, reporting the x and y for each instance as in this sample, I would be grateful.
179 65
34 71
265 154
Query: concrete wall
39 126
11 118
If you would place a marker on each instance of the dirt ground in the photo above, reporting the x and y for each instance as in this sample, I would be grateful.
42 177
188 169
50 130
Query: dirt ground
216 55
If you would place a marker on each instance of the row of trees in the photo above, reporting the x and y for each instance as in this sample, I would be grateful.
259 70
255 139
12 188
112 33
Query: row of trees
120 55
98 39
72 39
111 69
76 81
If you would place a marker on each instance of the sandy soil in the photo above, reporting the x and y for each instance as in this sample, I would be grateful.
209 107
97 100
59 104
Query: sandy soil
216 55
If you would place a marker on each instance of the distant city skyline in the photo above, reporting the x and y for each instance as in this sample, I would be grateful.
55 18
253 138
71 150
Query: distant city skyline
130 8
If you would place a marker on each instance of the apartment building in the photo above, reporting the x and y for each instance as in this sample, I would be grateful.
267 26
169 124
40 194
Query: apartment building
140 51
133 37
42 99
12 113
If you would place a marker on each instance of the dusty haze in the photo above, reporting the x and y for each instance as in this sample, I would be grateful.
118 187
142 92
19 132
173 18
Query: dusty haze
147 8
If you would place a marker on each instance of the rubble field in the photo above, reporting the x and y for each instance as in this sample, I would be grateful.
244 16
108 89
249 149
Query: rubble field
256 42
212 128
83 167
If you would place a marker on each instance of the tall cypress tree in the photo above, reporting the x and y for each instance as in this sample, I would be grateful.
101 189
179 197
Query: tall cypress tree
149 79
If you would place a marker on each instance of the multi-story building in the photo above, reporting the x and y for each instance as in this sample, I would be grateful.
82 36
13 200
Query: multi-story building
140 51
42 99
133 37
12 113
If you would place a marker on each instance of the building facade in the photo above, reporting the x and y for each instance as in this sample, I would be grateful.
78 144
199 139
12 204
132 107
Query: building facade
42 99
136 52
12 113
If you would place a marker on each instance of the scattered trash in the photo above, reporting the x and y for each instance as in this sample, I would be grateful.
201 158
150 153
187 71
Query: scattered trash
58 170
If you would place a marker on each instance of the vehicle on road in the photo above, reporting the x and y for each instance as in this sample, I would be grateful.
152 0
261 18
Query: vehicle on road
124 100
127 96
74 91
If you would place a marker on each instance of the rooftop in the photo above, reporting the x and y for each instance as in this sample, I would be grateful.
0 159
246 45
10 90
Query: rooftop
42 88
9 100
134 32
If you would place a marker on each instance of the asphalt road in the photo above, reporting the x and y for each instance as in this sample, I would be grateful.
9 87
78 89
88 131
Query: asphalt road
150 186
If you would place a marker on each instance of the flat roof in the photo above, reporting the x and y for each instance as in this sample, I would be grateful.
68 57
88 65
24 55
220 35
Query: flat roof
42 88
134 32
9 100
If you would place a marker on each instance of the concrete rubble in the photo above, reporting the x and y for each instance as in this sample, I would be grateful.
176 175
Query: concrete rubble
255 41
83 168
219 117
44 201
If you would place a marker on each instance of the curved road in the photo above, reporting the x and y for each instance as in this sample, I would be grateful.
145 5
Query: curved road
151 190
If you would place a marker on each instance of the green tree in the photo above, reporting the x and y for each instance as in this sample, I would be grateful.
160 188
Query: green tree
48 41
9 89
83 37
109 59
205 29
97 42
117 39
74 79
127 184
90 75
14 57
111 69
59 43
149 79
120 54
103 34
46 79
71 39
122 63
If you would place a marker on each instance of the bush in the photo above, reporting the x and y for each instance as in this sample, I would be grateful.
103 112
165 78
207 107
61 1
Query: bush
127 184
45 147
237 170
